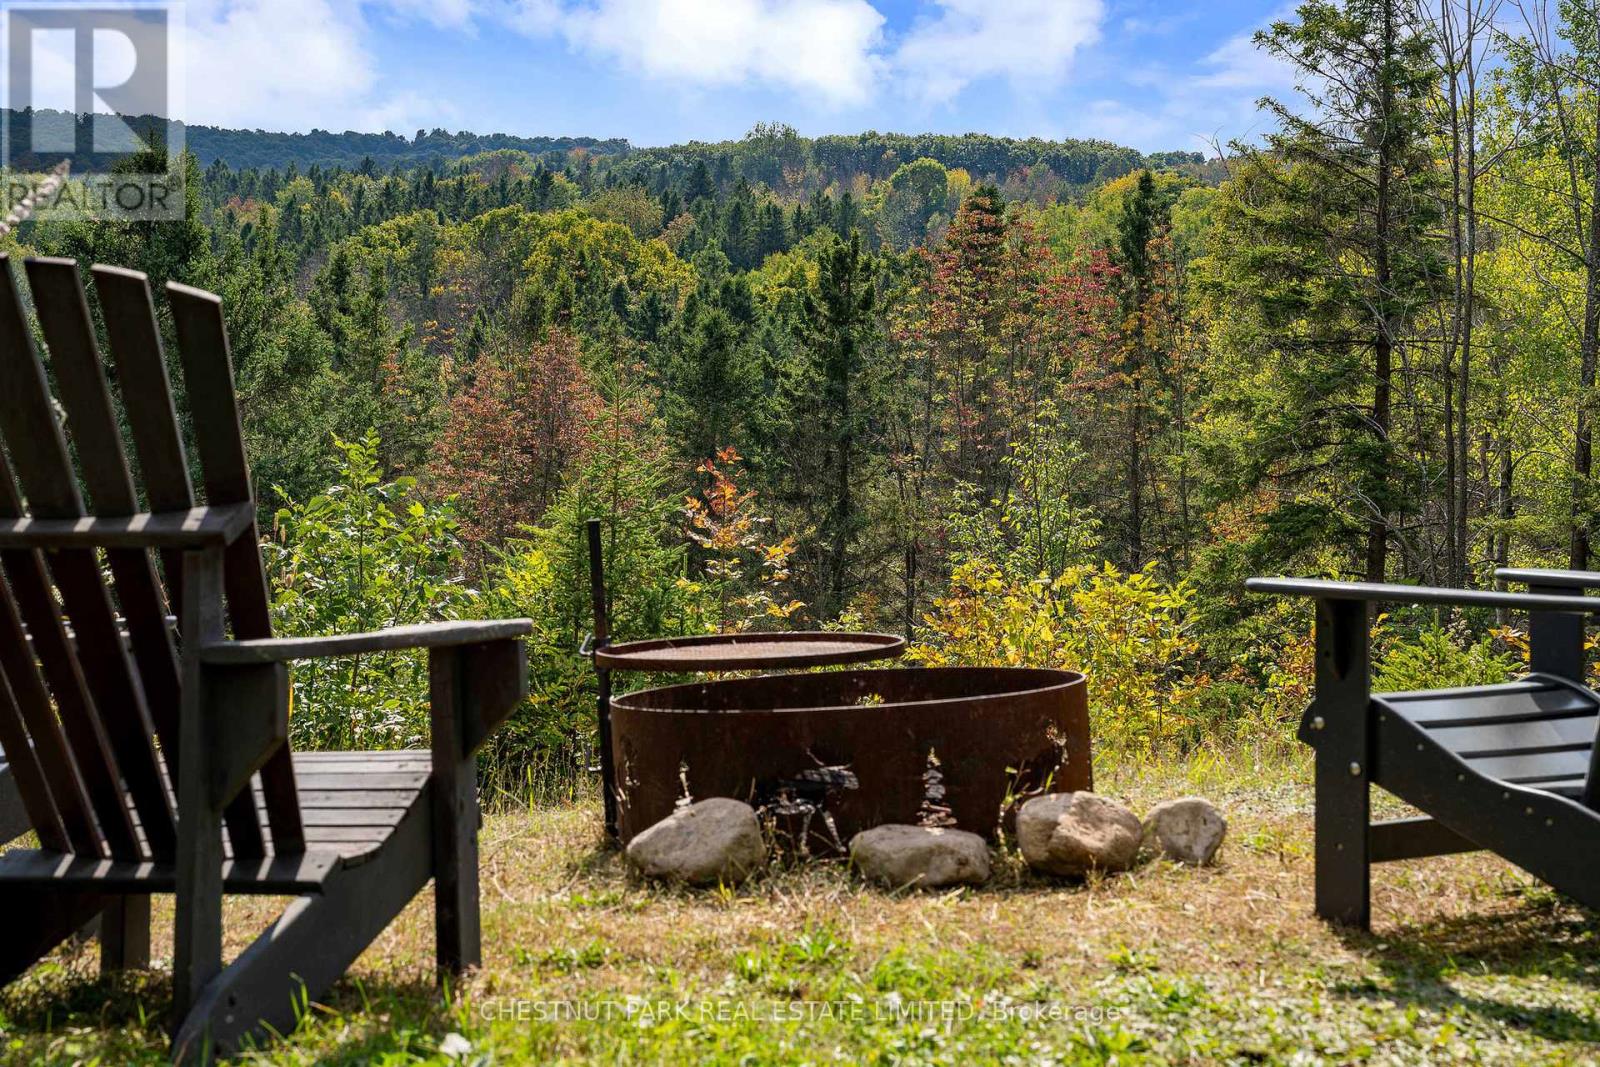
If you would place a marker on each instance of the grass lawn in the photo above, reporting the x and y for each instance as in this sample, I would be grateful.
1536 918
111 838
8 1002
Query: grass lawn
1469 960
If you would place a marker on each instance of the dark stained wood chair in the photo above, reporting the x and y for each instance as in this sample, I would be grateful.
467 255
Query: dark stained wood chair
1507 768
157 762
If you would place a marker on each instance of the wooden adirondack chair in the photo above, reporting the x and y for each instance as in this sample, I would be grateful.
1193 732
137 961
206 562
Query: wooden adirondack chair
132 757
1507 768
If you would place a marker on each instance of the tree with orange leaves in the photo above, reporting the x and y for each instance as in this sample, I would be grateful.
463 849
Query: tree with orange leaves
742 573
509 437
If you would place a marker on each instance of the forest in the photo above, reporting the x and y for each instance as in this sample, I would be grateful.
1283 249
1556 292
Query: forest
1026 402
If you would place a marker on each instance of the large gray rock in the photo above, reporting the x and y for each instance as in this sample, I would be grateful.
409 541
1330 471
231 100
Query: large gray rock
927 857
1073 833
714 841
1188 829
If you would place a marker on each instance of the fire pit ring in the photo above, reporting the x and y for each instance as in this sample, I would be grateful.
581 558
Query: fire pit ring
849 750
748 652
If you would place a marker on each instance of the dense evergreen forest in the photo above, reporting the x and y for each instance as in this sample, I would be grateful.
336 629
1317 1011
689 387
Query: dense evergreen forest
1029 402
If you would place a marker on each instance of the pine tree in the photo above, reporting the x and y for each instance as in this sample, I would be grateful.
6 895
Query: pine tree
1331 253
827 412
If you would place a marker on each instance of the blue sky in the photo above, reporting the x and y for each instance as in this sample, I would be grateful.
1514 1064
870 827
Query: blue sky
1148 74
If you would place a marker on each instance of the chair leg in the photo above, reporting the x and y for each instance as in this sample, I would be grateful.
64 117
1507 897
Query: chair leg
1343 763
262 992
125 934
458 938
457 932
1343 871
197 916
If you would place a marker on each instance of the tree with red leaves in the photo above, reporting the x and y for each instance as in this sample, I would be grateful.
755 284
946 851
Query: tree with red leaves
509 437
996 333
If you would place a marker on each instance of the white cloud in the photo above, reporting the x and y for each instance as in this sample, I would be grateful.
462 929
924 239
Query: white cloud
445 14
1030 42
1161 26
824 47
300 64
1239 64
278 63
1214 100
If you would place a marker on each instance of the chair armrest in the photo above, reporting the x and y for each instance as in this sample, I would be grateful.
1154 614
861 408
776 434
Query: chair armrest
1323 589
395 638
472 689
1538 576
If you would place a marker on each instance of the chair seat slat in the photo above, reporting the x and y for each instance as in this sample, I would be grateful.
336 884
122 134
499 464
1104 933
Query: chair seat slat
1504 738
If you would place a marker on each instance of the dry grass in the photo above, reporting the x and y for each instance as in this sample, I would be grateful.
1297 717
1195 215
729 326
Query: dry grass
1469 960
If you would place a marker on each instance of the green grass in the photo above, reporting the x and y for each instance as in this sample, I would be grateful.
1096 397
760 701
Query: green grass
1469 960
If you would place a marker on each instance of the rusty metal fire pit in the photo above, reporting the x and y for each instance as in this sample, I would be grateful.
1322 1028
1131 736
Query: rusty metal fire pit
840 752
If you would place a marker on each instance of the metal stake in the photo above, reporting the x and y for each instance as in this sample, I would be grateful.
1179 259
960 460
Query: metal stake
602 638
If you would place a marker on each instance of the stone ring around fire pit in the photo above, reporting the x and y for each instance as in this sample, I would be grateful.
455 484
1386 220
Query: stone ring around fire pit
829 754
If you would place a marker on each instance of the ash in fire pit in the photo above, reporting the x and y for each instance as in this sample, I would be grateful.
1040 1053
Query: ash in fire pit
842 752
795 806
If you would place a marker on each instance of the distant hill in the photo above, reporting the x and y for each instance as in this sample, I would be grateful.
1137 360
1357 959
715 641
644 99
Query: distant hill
771 153
263 149
258 148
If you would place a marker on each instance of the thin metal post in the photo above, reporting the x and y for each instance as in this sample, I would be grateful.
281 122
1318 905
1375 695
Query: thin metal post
602 637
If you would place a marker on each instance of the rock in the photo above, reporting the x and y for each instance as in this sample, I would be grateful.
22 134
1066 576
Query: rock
714 841
1074 833
1189 830
927 857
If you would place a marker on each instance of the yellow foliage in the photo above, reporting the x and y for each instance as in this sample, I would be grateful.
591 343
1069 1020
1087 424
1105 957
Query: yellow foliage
1128 633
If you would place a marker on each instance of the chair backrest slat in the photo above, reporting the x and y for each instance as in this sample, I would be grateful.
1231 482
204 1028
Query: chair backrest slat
38 449
219 439
87 781
135 343
32 785
58 299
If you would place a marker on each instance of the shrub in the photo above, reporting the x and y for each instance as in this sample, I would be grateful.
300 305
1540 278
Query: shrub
1436 657
743 575
363 555
1129 633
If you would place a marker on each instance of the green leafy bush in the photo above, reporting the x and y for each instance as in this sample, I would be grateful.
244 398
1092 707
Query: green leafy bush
1436 657
363 555
1129 633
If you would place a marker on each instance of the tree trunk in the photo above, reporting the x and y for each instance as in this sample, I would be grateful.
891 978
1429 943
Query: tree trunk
843 505
1463 536
1135 478
1383 342
1582 451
